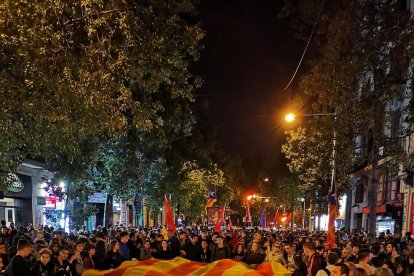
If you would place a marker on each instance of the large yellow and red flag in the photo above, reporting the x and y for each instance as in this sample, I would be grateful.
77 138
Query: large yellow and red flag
182 267
169 219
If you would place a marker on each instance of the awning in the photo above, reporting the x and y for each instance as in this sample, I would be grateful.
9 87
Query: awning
380 209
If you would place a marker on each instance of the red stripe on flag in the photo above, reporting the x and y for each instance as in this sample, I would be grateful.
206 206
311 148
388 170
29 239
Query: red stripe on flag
169 219
220 267
330 239
126 265
185 268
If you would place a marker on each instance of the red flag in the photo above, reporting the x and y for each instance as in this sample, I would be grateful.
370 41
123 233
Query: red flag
217 227
277 219
247 220
234 239
330 239
169 219
230 224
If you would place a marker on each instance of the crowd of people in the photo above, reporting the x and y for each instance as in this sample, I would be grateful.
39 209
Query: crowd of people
45 251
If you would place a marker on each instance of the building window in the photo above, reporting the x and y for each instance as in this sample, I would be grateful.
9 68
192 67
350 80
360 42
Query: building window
395 189
359 191
382 179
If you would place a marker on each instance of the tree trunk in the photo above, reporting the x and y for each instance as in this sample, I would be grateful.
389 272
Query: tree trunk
372 198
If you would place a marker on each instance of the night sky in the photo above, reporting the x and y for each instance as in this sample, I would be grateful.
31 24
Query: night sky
250 55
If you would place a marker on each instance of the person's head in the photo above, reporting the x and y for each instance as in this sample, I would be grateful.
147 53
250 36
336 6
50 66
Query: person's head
24 248
254 246
114 246
355 250
54 246
193 238
204 234
276 247
346 253
390 247
44 256
381 271
375 249
239 248
147 245
340 270
309 248
363 257
220 241
160 237
124 237
2 247
204 244
91 249
99 236
164 245
289 249
352 268
332 258
79 246
183 236
63 253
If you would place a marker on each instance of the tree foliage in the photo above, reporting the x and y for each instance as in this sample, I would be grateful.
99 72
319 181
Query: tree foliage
74 73
360 69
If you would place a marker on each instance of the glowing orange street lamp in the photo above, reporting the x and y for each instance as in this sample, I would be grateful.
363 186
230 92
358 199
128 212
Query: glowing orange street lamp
290 117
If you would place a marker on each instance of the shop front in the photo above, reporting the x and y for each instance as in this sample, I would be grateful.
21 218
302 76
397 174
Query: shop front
16 205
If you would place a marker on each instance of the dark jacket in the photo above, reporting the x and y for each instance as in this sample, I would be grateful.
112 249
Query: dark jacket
220 253
256 257
38 269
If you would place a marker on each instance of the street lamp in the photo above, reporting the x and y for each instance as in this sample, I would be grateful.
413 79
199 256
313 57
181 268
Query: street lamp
290 117
304 211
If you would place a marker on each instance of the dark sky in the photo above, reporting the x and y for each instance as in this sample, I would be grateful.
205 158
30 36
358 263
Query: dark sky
250 55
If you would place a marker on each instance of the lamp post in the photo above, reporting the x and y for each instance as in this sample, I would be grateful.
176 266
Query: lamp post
304 211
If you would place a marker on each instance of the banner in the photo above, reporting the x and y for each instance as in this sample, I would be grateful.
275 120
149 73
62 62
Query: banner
169 219
213 215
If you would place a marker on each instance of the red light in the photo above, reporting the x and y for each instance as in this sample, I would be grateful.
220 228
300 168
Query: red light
249 197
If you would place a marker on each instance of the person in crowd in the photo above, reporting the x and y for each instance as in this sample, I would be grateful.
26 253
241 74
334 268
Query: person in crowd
100 250
61 265
114 258
123 248
274 253
3 254
220 251
340 270
19 265
239 252
299 266
363 261
191 250
88 260
54 247
254 255
174 243
205 252
289 257
331 260
146 253
43 265
314 261
165 252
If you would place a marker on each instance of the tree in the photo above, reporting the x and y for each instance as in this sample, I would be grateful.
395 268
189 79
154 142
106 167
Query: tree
75 73
357 71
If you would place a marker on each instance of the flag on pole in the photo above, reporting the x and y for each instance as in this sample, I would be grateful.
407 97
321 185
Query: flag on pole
234 238
164 233
247 220
212 198
217 227
330 240
277 218
263 220
169 219
230 224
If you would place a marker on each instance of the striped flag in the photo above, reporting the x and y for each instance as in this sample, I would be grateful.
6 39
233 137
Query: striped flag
330 239
183 267
230 224
212 198
164 233
169 219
